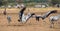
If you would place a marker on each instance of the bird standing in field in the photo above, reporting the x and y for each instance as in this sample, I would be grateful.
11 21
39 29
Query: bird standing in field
9 19
4 12
54 19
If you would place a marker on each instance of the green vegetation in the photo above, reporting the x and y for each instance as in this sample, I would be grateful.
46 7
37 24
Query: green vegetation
6 2
55 2
26 2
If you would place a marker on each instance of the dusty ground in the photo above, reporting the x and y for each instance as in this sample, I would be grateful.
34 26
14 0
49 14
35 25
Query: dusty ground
31 25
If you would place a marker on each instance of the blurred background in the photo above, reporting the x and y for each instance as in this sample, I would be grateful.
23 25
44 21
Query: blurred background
29 3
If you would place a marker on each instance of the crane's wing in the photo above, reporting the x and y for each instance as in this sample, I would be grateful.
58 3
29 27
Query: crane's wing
21 13
48 13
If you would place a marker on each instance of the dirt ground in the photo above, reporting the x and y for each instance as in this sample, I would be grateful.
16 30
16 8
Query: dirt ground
31 25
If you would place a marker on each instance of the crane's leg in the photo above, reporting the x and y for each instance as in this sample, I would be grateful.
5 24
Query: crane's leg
52 24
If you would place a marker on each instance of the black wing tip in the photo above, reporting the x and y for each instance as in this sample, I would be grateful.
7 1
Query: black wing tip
54 11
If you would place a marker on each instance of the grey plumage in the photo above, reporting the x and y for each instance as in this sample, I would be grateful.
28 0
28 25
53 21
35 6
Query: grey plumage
9 19
48 13
53 19
25 18
45 15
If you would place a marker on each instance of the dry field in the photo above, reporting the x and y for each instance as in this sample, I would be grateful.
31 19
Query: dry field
31 25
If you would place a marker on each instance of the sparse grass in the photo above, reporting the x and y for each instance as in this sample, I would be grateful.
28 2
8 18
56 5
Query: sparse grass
31 25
